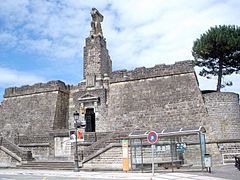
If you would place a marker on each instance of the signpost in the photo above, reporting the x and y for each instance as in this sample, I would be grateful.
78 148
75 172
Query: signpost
152 138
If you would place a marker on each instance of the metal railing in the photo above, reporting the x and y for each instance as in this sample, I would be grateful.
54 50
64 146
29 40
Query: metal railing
102 144
97 145
228 158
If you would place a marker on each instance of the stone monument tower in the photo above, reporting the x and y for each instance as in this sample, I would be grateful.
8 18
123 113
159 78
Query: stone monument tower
97 62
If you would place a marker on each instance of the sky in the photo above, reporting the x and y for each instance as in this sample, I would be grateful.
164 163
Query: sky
43 40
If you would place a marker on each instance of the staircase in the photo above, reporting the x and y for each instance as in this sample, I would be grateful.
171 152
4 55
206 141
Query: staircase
102 145
106 142
49 165
14 151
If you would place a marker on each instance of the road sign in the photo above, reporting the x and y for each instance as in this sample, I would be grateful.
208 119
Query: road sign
152 137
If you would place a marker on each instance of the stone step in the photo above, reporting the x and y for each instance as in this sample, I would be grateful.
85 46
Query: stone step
48 162
49 165
45 168
57 165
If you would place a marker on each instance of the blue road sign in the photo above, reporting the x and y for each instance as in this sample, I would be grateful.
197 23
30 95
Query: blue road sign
152 137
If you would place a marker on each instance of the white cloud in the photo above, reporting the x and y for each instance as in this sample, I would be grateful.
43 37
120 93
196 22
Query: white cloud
158 27
7 40
138 32
11 77
168 28
48 28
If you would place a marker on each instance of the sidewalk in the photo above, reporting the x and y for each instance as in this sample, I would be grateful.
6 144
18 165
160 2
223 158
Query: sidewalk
219 173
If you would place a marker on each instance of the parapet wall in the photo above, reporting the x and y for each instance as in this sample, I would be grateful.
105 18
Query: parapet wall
223 110
149 103
36 88
35 109
181 67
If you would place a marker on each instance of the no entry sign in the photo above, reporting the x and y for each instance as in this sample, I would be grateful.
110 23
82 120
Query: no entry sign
152 137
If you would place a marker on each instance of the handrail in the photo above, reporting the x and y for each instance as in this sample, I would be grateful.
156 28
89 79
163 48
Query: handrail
4 140
95 154
97 143
100 145
24 154
10 153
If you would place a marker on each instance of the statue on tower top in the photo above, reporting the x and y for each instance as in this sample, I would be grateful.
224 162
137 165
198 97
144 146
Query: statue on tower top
97 18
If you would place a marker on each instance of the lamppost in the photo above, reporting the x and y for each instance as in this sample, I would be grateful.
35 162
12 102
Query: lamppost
76 118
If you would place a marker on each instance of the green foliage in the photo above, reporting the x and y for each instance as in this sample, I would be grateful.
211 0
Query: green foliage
218 51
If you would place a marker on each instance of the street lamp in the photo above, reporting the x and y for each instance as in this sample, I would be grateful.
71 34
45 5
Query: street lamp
76 118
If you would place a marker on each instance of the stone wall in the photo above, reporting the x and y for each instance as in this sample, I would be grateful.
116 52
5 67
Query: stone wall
166 101
178 68
55 145
100 107
39 152
109 160
6 160
35 109
223 110
62 108
229 151
97 61
36 88
112 159
23 140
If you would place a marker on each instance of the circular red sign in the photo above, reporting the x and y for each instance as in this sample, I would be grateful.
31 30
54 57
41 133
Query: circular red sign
152 137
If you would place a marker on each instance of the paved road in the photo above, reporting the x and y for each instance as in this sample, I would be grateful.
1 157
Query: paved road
168 176
33 177
226 172
219 173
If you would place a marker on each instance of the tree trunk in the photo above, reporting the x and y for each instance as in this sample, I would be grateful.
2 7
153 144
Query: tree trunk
219 83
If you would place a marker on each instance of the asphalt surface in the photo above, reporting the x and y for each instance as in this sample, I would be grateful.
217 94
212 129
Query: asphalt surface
218 173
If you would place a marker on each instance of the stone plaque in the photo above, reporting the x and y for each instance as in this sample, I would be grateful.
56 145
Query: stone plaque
90 80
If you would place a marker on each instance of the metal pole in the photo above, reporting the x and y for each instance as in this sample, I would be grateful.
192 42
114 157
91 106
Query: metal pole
152 159
130 141
172 153
201 150
1 142
76 150
141 155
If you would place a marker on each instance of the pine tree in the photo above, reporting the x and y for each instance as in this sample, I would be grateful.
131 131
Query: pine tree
218 51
